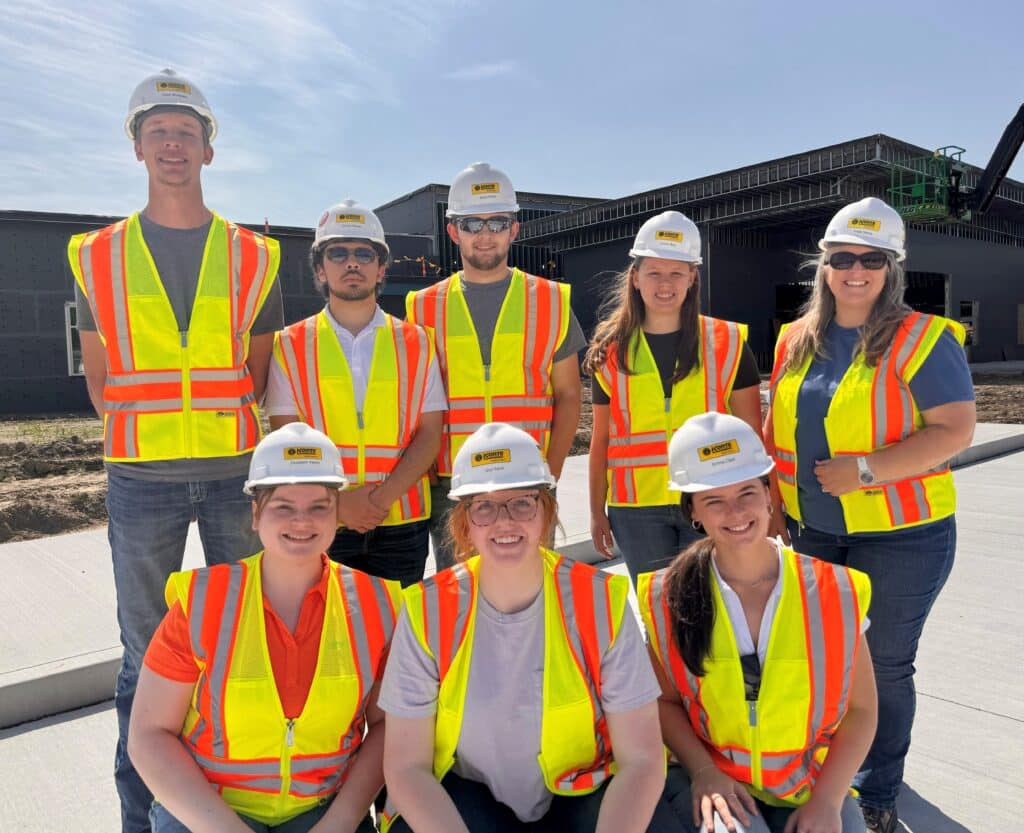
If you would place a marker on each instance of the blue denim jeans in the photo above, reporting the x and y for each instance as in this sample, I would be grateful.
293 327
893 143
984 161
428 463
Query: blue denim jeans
147 530
164 822
650 537
907 569
395 552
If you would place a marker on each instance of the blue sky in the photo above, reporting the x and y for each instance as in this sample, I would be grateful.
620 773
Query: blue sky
374 98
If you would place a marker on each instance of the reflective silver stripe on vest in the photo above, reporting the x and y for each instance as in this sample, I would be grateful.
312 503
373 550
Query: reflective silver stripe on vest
533 289
848 603
237 767
260 273
231 374
210 403
118 292
465 404
143 377
637 461
889 367
145 406
539 401
815 645
433 613
291 361
710 366
130 427
645 437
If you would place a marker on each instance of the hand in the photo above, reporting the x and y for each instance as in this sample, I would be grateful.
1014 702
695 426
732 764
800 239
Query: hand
601 534
357 510
432 474
816 816
838 476
713 791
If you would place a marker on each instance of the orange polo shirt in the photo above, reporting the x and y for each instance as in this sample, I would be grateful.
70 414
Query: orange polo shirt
293 656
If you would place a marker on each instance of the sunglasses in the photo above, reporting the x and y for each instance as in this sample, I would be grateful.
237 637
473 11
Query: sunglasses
339 254
869 260
475 225
522 508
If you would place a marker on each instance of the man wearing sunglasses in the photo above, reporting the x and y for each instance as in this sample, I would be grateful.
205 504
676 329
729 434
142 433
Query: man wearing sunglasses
371 383
507 342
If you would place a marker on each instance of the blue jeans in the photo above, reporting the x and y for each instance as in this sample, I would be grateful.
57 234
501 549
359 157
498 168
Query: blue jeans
440 507
396 552
650 537
147 530
164 822
907 569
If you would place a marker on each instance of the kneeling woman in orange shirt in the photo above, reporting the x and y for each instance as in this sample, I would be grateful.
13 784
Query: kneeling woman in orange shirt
260 683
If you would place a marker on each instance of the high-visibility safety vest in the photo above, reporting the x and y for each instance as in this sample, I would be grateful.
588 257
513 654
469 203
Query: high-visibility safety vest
777 743
172 394
516 386
583 610
872 408
373 440
641 420
263 764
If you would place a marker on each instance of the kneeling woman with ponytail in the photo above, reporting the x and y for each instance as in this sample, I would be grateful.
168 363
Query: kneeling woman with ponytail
768 697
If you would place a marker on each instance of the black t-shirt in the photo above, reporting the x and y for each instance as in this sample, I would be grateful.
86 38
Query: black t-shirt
663 348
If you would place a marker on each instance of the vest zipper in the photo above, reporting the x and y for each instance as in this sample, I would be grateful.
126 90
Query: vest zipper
755 745
487 393
286 760
361 460
186 395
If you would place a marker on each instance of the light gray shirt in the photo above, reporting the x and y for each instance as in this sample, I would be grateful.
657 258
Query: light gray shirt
500 740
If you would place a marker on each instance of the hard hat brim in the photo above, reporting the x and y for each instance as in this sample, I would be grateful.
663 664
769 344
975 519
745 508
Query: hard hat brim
854 240
652 253
322 240
251 486
484 209
728 477
204 116
483 488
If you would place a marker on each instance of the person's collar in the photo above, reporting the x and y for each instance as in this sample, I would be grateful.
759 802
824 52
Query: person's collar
378 320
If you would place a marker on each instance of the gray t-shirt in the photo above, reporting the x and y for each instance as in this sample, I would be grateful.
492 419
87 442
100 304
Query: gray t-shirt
484 301
500 739
178 255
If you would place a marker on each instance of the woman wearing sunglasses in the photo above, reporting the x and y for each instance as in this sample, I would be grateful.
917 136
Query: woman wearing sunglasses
767 692
518 693
655 361
869 401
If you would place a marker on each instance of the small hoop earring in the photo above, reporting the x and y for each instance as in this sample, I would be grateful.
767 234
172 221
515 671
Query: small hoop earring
697 526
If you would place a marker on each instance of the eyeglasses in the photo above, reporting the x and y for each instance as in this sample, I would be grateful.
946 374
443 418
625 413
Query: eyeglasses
475 225
339 254
522 508
845 260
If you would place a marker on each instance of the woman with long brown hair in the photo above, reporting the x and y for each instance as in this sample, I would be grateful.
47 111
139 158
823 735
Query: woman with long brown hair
655 362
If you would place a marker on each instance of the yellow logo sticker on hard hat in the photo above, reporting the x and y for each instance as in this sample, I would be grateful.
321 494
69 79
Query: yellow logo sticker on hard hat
173 87
303 452
864 224
499 455
350 218
487 188
674 236
722 449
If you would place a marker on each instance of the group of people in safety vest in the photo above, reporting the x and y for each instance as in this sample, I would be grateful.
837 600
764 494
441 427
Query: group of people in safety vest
784 562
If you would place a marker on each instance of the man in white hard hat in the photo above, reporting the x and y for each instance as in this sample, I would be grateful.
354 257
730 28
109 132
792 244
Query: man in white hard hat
507 342
177 308
371 383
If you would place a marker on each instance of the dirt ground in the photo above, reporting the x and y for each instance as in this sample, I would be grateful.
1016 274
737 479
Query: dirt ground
52 478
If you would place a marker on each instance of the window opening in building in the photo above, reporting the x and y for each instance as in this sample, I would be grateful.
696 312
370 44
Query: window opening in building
74 343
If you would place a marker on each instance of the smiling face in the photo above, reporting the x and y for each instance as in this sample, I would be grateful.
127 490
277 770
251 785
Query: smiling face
734 516
504 541
855 289
663 283
296 521
486 250
173 146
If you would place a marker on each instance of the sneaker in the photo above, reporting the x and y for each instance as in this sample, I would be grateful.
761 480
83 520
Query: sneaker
880 819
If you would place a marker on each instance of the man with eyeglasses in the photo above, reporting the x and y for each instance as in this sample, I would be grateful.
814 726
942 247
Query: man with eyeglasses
506 341
371 383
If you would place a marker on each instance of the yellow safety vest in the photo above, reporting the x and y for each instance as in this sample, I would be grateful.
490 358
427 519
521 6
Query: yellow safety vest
515 387
774 745
373 440
871 409
171 394
641 420
263 764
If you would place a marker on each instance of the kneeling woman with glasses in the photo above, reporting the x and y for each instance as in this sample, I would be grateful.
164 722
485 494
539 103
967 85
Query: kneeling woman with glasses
769 700
518 693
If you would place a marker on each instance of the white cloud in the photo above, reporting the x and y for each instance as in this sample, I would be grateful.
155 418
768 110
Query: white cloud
480 72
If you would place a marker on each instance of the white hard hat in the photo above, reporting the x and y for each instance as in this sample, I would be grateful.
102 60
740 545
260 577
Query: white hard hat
295 453
670 235
352 220
168 89
497 456
481 189
868 222
712 450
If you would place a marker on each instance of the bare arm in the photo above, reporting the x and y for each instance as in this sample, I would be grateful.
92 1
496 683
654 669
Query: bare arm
628 803
94 361
568 394
408 770
745 403
165 765
600 529
258 362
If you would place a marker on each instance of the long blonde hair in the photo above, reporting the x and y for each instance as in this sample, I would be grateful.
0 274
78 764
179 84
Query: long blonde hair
623 314
877 332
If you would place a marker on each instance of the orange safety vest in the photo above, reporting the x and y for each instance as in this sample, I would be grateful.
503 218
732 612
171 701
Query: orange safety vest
371 441
642 421
516 387
169 394
871 408
263 764
776 744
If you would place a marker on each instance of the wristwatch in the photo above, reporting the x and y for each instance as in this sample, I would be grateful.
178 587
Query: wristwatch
864 473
